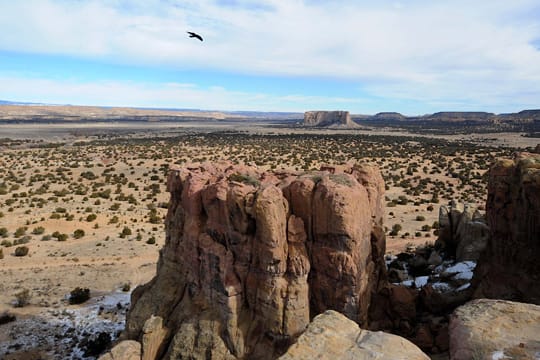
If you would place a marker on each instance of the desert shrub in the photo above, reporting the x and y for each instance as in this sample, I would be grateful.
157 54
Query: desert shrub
20 231
6 317
125 232
79 295
126 287
22 298
6 243
418 234
1 253
420 218
426 227
151 240
59 236
46 237
246 179
3 232
21 251
114 220
435 225
91 217
79 233
23 240
38 230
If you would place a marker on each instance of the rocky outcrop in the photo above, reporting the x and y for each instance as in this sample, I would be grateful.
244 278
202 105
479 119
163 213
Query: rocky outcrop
333 336
124 350
463 232
495 329
328 118
251 256
509 267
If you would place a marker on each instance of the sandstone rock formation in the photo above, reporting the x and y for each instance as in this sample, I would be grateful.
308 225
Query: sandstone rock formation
495 329
251 256
328 118
509 267
124 350
463 232
333 336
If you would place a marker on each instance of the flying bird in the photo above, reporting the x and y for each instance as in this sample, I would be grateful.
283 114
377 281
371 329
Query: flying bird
194 35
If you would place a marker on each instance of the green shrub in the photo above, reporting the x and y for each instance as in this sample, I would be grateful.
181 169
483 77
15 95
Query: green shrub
91 217
6 243
151 240
3 232
79 233
79 295
38 230
21 251
420 218
20 231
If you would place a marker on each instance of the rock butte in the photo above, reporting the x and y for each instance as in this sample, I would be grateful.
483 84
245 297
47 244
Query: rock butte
251 256
328 118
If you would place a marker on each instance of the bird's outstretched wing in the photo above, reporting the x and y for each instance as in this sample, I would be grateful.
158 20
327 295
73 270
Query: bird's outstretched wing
194 35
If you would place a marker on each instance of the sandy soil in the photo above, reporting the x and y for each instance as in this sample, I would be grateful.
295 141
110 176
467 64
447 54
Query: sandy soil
103 260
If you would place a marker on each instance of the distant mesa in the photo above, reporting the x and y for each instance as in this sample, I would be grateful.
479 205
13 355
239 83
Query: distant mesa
328 119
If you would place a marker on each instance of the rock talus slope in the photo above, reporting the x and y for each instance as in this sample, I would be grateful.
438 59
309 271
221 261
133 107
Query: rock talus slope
509 267
251 256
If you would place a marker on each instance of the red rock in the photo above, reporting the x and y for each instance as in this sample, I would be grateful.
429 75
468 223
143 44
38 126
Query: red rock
250 256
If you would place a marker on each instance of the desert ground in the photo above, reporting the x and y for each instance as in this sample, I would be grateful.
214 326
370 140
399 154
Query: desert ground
88 201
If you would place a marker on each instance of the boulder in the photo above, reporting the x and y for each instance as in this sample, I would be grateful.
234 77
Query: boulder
509 267
333 336
463 231
124 350
495 329
250 256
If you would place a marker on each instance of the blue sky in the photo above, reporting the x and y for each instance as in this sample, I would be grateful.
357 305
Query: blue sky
414 57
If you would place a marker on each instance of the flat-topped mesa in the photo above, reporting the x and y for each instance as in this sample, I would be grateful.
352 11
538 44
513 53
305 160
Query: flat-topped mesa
251 256
328 118
509 267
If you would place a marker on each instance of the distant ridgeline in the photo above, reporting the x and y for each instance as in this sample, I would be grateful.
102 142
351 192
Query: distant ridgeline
527 121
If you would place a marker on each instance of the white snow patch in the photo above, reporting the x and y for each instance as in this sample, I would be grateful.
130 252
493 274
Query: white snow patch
465 275
463 287
441 287
421 281
498 355
460 267
407 283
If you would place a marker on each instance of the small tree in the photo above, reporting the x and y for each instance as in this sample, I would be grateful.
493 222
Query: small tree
21 251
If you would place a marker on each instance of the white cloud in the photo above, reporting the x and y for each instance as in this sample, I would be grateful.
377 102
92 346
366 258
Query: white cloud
167 95
421 49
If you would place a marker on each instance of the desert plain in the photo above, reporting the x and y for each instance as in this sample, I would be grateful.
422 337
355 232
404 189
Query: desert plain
87 201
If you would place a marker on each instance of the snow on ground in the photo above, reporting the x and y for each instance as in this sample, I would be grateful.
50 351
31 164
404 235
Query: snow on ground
63 333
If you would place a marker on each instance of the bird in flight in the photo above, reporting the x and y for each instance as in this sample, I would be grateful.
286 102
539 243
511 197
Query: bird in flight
194 35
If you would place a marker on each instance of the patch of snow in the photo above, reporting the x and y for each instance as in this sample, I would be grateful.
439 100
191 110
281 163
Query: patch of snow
407 283
441 287
463 287
465 275
461 267
421 281
60 332
498 355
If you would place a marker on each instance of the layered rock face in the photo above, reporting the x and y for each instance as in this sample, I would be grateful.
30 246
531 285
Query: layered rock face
509 267
328 118
333 336
463 231
251 256
495 329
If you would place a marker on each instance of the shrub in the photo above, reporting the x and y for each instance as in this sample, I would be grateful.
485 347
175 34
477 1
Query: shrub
6 243
420 218
426 227
3 232
125 232
6 317
1 253
38 230
79 233
79 295
20 231
22 298
91 217
21 251
151 241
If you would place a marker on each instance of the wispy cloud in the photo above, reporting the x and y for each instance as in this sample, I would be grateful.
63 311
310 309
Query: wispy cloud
484 51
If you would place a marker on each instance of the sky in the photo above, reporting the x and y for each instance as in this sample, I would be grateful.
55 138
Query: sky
409 56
